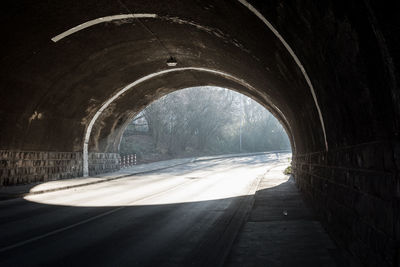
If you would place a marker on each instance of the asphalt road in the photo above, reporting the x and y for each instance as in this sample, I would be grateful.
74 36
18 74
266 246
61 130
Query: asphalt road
183 216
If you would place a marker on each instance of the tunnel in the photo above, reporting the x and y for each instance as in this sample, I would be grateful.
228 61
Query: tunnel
74 74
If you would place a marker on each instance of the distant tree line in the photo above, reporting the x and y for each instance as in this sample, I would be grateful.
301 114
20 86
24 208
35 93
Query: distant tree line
203 121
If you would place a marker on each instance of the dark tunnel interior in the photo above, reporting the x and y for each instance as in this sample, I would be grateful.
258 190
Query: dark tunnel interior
75 73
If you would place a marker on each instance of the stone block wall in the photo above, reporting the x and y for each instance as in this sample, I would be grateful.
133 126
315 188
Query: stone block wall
356 192
22 167
103 162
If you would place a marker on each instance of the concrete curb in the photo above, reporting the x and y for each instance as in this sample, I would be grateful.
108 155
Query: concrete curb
7 196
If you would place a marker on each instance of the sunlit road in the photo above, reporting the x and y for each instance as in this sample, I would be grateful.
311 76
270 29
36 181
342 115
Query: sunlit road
183 216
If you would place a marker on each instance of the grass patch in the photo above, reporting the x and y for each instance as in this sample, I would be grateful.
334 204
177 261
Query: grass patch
288 170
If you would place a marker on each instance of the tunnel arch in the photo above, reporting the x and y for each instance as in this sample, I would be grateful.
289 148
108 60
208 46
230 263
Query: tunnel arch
111 18
76 34
245 3
51 90
270 106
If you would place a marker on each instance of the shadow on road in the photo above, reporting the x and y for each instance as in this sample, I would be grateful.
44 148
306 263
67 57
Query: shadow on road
278 230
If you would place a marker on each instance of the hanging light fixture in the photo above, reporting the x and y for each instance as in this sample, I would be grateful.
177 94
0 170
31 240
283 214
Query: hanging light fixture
171 62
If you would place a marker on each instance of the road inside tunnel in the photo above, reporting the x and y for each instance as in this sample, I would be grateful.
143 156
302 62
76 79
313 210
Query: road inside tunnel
75 74
187 215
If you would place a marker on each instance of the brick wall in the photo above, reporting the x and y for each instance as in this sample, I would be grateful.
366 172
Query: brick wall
356 192
22 167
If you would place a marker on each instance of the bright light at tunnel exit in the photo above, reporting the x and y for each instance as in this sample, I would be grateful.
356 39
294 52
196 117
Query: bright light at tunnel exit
218 183
200 121
148 77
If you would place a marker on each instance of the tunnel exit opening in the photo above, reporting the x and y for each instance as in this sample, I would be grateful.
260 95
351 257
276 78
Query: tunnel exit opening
200 121
93 133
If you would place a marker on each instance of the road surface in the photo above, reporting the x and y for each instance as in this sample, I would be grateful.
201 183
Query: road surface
187 215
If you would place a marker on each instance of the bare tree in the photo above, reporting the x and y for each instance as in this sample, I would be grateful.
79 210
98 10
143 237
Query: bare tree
205 120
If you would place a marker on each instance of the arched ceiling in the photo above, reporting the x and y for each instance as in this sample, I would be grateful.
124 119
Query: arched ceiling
110 125
67 81
52 87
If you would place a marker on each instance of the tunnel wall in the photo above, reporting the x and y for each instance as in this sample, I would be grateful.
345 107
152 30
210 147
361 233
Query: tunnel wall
351 55
22 167
355 192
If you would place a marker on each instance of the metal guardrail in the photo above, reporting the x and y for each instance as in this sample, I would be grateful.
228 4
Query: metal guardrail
127 161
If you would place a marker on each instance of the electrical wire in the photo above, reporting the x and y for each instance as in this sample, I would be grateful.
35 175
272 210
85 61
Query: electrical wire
153 34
